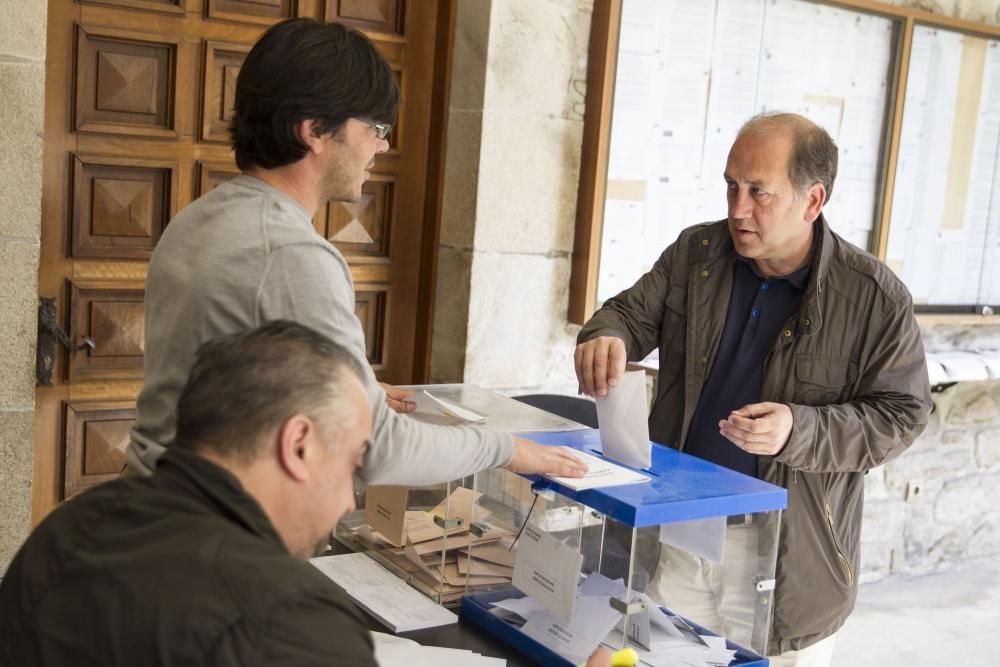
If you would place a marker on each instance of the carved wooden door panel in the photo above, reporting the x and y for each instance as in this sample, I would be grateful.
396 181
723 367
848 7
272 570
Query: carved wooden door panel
138 94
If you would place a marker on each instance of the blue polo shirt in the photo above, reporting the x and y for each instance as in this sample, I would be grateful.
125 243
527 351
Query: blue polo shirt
759 308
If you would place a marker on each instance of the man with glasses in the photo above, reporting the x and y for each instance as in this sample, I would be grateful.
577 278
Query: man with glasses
314 104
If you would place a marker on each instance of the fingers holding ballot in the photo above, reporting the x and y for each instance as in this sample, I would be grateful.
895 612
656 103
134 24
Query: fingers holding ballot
600 363
531 458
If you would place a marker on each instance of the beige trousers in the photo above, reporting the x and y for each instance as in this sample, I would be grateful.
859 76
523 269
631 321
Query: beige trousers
721 597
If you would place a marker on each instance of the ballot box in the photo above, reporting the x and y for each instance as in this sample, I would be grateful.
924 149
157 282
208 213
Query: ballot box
675 560
424 534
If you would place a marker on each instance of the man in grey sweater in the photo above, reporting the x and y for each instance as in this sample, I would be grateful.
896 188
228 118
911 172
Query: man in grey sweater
314 103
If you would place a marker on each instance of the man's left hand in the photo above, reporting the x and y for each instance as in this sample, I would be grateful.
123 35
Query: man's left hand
396 398
759 428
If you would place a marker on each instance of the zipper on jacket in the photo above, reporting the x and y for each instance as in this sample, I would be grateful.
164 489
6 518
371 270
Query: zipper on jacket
844 563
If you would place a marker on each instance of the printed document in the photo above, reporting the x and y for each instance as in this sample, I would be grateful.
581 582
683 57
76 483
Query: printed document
547 570
382 594
600 473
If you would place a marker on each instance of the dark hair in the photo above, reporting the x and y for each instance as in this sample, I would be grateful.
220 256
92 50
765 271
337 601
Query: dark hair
814 154
244 385
301 69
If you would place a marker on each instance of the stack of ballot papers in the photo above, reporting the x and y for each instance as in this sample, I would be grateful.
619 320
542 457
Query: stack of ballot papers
382 594
659 636
443 559
392 651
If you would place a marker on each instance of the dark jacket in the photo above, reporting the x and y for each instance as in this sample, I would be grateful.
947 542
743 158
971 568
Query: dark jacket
183 568
851 366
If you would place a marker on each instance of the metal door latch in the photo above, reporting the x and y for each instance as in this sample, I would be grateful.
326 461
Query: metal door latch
49 332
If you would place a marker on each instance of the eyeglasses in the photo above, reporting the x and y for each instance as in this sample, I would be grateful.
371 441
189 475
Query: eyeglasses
382 130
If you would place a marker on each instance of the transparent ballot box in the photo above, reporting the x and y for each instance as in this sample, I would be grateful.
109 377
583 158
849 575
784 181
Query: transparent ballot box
679 567
425 534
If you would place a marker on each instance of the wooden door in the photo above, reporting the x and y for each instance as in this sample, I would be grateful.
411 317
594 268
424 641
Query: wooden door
138 94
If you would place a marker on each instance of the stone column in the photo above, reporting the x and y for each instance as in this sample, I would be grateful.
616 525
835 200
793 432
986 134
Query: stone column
512 168
22 80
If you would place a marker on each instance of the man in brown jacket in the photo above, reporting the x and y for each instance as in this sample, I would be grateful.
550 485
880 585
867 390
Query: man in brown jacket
785 353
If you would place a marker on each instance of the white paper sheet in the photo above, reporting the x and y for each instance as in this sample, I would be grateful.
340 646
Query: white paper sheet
704 537
391 654
621 416
383 594
455 410
547 570
523 607
600 473
597 584
575 640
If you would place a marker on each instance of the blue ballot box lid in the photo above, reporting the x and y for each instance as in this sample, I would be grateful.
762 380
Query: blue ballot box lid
681 487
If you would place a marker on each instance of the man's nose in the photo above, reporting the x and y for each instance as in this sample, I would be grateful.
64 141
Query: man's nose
740 205
382 146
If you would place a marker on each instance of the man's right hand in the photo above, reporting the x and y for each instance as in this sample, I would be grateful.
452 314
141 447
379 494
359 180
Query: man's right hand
600 363
531 458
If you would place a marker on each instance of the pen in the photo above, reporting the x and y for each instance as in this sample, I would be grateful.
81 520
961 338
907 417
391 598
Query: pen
626 657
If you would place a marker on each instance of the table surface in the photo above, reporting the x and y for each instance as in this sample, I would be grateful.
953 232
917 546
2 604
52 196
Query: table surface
463 635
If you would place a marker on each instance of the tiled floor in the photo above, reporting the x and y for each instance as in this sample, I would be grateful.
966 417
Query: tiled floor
948 618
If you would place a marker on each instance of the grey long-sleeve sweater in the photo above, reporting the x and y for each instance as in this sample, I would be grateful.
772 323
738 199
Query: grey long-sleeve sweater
244 254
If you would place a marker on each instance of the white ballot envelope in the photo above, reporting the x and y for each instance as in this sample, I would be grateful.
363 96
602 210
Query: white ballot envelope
547 570
621 416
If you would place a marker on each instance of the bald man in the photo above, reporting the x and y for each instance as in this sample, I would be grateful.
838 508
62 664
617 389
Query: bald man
786 354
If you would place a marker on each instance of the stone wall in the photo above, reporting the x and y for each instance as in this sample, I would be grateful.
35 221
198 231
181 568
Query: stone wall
22 77
513 159
500 320
935 504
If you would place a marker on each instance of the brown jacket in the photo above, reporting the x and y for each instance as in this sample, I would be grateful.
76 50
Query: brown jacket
851 366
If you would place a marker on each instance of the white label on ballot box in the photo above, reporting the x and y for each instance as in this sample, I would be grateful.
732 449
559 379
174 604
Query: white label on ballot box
547 570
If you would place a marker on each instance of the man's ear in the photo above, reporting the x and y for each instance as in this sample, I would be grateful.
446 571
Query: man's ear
295 439
309 135
815 198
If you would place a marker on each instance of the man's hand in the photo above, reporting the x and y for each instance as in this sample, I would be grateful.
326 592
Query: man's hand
600 363
600 658
396 398
759 428
531 458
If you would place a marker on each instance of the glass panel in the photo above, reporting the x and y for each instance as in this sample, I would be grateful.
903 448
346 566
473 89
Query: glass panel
691 73
946 201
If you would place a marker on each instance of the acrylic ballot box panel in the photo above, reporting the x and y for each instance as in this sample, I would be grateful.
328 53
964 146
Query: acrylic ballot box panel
423 534
500 413
615 565
414 533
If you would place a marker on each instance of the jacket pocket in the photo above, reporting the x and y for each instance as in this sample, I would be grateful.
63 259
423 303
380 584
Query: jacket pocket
673 339
677 299
821 380
845 565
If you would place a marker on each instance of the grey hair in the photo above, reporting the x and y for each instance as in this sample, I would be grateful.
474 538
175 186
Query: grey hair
814 154
245 385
